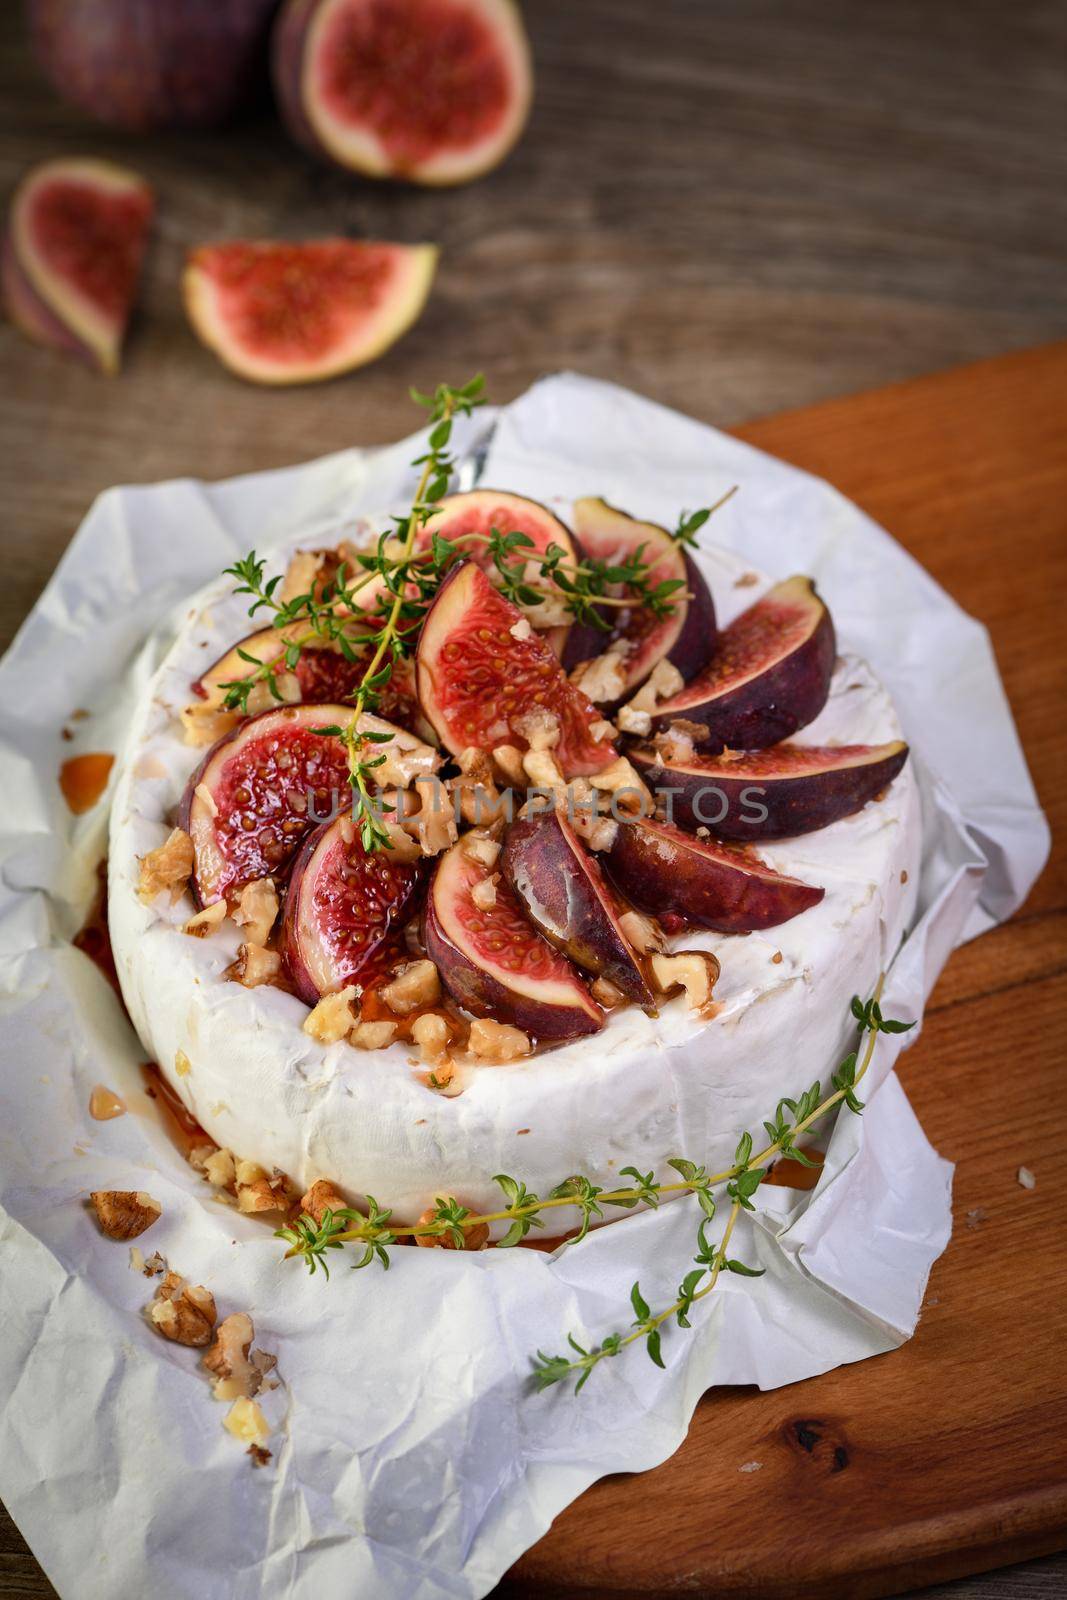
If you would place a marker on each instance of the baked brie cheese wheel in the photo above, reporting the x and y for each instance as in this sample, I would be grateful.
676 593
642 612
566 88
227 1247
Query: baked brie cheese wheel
507 997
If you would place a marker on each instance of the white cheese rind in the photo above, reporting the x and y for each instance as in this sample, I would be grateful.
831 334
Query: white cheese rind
640 1092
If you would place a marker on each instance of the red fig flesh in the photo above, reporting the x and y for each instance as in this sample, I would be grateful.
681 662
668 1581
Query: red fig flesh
769 676
434 91
257 793
480 669
324 674
76 238
343 908
563 892
775 793
686 637
495 963
141 64
673 874
281 313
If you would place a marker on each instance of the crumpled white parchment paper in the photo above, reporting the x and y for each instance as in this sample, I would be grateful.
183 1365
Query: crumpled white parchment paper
410 1458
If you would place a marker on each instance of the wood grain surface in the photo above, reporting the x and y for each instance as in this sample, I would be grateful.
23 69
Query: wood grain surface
734 206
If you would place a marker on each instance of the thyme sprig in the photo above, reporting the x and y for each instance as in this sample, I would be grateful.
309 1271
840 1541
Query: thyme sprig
372 1231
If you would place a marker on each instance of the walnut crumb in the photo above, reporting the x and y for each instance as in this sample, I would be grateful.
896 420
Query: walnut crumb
331 1019
256 966
236 1370
205 922
374 1035
416 985
257 910
432 1033
125 1213
261 1456
498 1041
183 1313
694 971
320 1198
168 867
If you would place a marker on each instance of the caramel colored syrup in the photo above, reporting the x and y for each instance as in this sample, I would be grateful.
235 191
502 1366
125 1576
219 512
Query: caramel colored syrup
790 1174
183 1128
105 1104
83 779
94 940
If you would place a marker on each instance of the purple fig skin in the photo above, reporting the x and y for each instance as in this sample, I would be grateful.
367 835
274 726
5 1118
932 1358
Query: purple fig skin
311 860
485 993
28 311
727 796
190 809
695 643
563 892
667 872
769 705
144 64
287 60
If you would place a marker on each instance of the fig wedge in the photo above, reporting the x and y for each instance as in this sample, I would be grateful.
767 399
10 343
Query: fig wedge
494 962
676 876
772 794
343 908
563 892
480 669
324 675
256 794
686 637
467 520
769 676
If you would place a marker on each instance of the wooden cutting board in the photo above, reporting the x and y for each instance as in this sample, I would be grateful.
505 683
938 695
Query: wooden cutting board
950 1455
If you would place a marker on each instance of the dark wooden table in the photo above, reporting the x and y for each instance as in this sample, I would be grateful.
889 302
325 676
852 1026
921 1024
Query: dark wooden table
736 206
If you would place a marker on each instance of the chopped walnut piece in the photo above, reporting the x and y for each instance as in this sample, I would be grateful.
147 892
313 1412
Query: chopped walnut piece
602 729
640 932
432 1033
540 728
206 921
479 797
603 679
416 985
543 771
184 1313
549 612
606 994
695 971
246 1421
322 1197
261 1456
631 721
125 1213
664 680
406 758
331 1020
255 966
220 1169
508 759
498 1041
234 1373
199 1154
521 629
374 1035
475 1238
624 784
481 847
674 745
153 1266
256 1191
433 824
483 894
167 867
257 910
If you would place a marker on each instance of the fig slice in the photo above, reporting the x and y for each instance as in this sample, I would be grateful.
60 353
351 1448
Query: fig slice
467 520
76 238
685 638
343 909
480 668
772 794
493 961
258 791
563 892
432 91
769 676
323 673
277 313
683 879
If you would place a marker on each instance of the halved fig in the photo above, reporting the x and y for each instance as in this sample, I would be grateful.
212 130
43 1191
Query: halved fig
467 520
563 892
72 257
684 879
343 908
494 962
344 72
480 669
258 791
277 313
769 676
323 673
772 794
686 637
